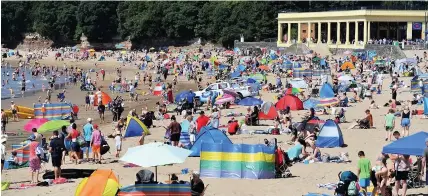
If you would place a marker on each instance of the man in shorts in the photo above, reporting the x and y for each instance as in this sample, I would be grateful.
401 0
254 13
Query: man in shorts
101 110
364 167
87 133
55 148
389 124
14 110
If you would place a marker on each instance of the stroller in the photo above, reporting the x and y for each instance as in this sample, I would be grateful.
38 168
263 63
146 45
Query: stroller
415 175
282 162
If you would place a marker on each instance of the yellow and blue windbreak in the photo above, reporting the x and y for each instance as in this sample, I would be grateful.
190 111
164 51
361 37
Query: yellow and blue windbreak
53 111
220 160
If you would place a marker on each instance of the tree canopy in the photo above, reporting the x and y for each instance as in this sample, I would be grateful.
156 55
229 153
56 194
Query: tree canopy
218 22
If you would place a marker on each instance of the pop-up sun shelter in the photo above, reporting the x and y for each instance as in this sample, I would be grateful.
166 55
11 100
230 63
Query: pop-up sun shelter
330 136
326 91
134 127
410 145
268 111
289 100
208 135
102 182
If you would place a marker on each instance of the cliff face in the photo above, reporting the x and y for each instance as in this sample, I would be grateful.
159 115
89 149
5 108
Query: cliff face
34 41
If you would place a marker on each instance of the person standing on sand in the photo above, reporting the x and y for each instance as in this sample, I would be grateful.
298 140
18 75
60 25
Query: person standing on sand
87 132
389 124
103 73
87 101
405 120
96 144
14 110
101 109
35 163
56 147
364 167
75 147
4 121
175 129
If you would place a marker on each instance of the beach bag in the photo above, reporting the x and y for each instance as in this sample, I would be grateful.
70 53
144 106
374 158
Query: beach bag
340 189
352 189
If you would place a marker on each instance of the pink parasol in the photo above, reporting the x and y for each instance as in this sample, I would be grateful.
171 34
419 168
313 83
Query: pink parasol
35 123
225 99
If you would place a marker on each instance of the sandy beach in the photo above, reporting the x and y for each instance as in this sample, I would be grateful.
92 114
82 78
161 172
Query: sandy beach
305 176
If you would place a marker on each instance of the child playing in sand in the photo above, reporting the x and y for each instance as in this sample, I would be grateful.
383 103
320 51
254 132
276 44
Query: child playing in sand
118 141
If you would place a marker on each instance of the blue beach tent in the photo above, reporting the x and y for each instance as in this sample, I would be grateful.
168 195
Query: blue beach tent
330 136
326 91
208 134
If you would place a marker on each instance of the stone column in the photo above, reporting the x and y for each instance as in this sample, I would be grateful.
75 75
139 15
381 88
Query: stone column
308 33
387 30
424 26
319 33
378 31
289 33
409 30
329 33
299 31
368 30
356 33
338 33
280 35
365 33
347 33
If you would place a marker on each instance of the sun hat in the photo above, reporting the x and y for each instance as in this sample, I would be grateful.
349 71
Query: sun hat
89 120
95 126
3 138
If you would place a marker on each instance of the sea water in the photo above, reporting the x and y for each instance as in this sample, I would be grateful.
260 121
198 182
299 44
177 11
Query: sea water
16 85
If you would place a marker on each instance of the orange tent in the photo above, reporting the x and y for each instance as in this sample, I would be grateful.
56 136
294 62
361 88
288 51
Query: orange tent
264 67
105 98
102 182
347 65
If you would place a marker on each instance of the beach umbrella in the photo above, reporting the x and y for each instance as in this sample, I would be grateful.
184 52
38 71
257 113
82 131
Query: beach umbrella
35 123
250 101
148 155
226 98
348 52
345 78
292 91
347 65
231 92
328 102
52 126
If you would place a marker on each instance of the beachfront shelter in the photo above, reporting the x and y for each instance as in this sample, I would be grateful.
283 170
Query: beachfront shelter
208 134
410 145
134 127
326 91
330 136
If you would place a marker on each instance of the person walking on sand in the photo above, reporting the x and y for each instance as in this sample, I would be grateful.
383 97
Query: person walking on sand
101 109
87 132
75 147
389 124
175 129
364 167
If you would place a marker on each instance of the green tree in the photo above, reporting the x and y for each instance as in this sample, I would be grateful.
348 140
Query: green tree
97 20
14 20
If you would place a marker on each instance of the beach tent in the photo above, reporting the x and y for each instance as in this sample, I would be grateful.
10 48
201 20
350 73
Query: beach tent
105 99
326 91
208 134
158 90
268 111
426 105
298 83
258 77
250 101
330 135
184 95
102 182
134 127
414 85
289 100
410 145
